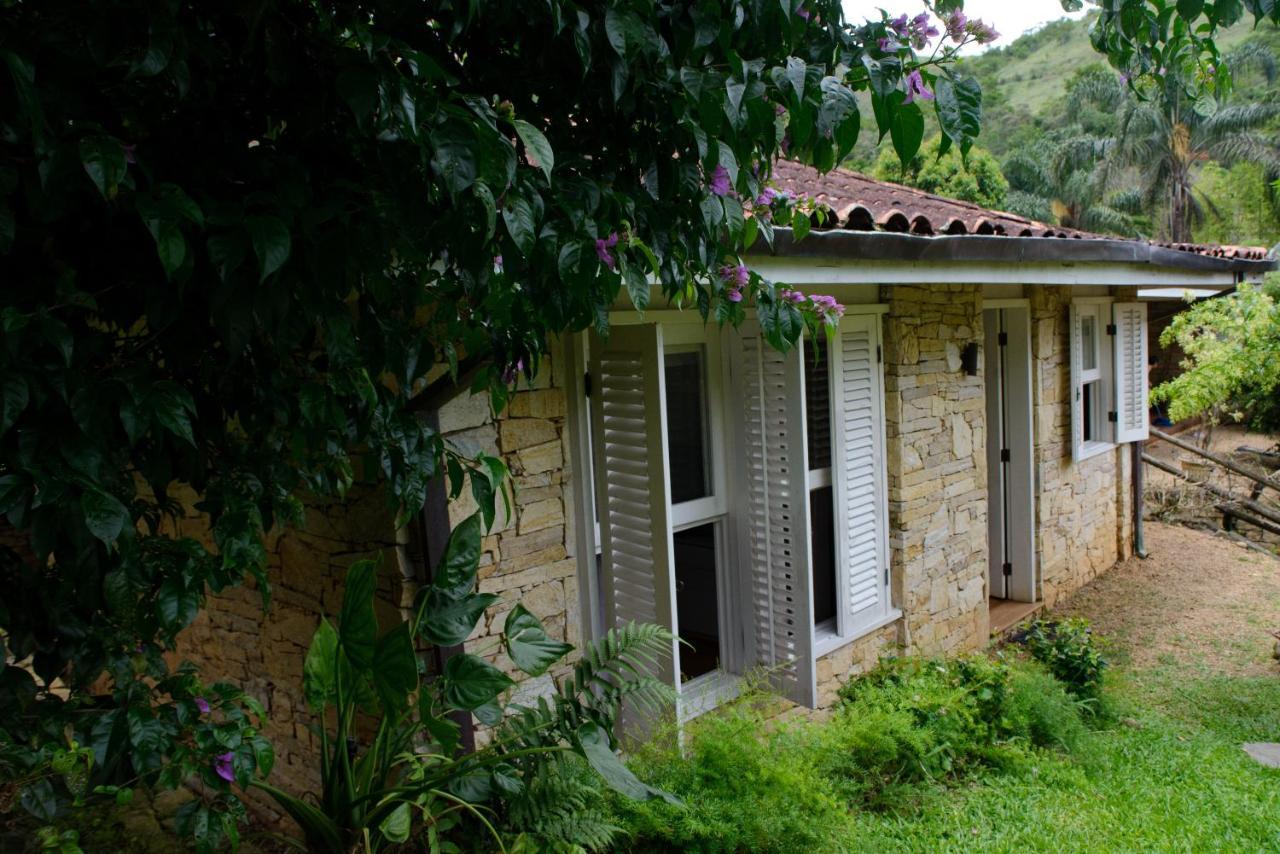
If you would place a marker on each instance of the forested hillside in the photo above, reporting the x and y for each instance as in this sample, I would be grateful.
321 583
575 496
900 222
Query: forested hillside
1077 149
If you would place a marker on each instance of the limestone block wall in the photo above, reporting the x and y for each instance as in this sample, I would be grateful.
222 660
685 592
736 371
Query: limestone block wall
937 476
234 640
525 557
1083 510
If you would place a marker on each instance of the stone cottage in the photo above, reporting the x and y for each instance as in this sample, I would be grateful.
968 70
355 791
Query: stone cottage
958 453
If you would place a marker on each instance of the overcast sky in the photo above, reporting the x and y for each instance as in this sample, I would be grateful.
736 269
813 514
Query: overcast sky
1010 17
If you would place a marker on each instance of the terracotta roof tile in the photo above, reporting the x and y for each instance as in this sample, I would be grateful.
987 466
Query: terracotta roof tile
858 203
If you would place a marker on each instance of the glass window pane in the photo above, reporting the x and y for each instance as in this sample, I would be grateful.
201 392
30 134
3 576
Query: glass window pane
817 400
1088 342
823 537
686 427
697 606
1089 407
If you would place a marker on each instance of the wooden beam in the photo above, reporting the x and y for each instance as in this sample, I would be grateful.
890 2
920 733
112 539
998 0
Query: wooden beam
1251 506
1227 464
1234 511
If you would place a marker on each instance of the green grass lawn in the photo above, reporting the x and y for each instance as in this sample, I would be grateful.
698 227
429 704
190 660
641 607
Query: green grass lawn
1170 777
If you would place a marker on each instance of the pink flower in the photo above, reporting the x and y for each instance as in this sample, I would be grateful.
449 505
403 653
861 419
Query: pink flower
203 705
222 767
955 25
497 263
720 181
916 88
603 245
793 297
803 12
827 305
922 31
511 372
766 197
887 45
899 25
733 295
982 32
735 275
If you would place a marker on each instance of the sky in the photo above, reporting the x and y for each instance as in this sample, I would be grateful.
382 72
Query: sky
1010 17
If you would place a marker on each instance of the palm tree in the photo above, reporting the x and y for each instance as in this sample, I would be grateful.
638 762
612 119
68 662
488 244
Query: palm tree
1066 179
1165 136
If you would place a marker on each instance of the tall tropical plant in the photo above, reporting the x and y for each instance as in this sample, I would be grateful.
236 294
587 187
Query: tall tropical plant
408 782
1065 180
1168 133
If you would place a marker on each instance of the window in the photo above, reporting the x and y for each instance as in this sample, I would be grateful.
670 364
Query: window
769 557
1108 375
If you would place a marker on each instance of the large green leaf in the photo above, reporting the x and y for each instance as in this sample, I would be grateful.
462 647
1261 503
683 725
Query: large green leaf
593 741
528 645
470 682
103 158
906 129
104 514
958 104
537 145
456 573
271 243
446 621
357 622
319 669
396 826
395 669
14 401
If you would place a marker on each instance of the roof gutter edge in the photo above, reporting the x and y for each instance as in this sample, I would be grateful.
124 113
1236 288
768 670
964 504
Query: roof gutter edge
887 246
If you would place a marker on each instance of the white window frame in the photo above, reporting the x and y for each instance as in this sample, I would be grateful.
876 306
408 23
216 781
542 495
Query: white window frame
684 332
1101 375
831 635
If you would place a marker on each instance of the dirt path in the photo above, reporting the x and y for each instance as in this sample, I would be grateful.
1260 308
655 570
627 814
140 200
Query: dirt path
1198 600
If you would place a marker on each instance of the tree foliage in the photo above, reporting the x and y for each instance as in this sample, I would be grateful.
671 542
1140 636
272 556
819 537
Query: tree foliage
241 239
1232 364
976 178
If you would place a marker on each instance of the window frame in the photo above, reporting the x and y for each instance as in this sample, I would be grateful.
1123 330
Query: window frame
1101 376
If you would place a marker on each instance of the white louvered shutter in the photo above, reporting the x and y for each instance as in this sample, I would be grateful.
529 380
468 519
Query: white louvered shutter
1130 363
857 469
628 432
772 518
1077 384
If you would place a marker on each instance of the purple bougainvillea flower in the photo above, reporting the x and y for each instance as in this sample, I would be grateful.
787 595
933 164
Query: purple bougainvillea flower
922 31
497 263
886 44
766 197
955 25
203 705
222 767
916 88
735 275
733 295
984 33
720 181
803 12
511 372
899 25
793 297
603 245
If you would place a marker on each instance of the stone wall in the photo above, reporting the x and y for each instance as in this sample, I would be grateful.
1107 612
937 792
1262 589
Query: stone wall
1083 510
937 472
234 640
526 556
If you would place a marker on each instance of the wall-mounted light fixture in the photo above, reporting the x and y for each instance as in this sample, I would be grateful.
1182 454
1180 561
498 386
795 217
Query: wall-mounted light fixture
969 359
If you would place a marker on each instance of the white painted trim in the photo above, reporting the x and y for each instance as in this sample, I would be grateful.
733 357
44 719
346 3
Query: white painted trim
832 643
1093 449
836 271
704 694
586 527
1006 303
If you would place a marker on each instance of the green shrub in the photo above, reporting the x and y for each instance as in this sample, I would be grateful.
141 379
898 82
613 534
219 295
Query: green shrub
743 788
1070 650
1039 709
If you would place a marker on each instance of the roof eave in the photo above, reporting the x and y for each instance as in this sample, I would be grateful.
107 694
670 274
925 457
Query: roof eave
884 246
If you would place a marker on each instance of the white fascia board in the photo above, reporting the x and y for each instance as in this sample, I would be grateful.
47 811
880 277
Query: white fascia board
823 271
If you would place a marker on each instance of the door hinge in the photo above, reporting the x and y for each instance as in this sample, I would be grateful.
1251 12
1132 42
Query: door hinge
1008 569
886 575
1004 455
1003 339
1111 329
1111 416
586 384
877 354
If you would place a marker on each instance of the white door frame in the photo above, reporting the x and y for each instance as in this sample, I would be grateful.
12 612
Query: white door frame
1010 487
